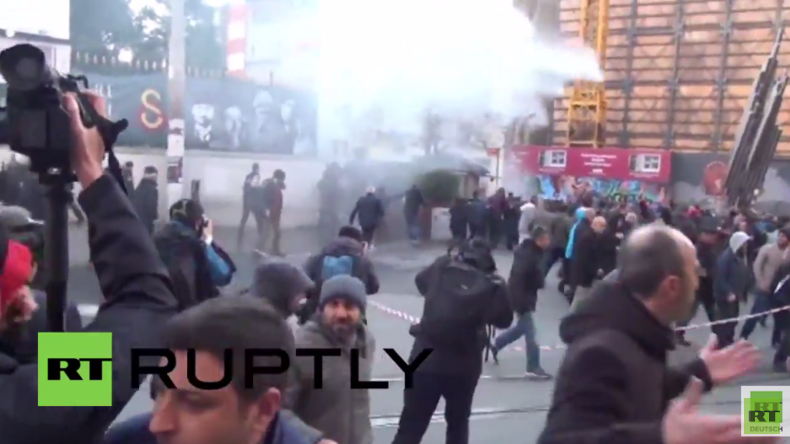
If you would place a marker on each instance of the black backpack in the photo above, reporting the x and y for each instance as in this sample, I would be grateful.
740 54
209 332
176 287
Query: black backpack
455 305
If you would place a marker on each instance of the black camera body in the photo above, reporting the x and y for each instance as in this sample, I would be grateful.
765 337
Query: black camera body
39 125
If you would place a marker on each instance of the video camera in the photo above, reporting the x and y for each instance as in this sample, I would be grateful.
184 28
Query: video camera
40 128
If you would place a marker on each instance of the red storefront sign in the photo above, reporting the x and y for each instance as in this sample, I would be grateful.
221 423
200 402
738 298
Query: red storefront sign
606 163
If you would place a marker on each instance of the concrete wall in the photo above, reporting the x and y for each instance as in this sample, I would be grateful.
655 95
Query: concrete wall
222 176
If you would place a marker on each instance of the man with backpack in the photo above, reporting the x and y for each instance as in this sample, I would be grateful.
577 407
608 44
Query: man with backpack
463 294
343 256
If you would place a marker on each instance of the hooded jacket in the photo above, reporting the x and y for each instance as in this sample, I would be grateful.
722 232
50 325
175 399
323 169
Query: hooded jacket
732 273
279 282
614 384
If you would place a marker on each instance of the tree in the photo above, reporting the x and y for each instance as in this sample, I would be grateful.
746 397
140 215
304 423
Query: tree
103 27
204 48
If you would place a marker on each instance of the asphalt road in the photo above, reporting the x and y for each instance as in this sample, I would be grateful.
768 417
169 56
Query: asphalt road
506 405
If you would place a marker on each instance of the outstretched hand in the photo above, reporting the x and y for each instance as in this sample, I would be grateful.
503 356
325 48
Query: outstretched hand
730 362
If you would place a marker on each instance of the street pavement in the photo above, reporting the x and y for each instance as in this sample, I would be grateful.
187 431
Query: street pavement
506 404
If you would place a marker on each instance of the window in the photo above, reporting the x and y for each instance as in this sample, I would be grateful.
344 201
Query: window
646 163
553 158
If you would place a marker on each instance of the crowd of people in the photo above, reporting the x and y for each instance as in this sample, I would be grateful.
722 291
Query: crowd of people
631 274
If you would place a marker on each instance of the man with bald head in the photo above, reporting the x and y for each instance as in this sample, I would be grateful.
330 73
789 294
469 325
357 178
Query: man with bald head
614 385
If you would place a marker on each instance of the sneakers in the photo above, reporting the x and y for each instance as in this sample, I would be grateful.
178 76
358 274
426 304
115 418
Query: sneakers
538 373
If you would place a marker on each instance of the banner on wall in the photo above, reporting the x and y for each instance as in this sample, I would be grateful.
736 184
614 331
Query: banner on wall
223 114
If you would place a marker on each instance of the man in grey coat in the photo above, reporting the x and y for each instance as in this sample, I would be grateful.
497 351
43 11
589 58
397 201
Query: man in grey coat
337 410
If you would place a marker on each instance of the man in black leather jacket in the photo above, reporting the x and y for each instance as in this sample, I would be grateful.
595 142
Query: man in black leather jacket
138 300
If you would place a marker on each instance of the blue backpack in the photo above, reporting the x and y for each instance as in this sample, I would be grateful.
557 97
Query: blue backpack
332 266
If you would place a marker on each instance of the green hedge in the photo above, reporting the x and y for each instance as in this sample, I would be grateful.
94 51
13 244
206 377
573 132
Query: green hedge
439 187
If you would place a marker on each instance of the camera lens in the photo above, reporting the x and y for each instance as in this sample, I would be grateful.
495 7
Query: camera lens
28 70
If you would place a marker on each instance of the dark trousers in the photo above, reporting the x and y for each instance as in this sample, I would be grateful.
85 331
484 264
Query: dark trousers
726 332
368 233
476 231
704 298
782 319
259 223
419 404
554 255
762 302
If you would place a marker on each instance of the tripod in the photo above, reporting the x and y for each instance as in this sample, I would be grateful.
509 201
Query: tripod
56 245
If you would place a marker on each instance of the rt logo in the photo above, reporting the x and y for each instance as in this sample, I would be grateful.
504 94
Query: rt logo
762 411
75 369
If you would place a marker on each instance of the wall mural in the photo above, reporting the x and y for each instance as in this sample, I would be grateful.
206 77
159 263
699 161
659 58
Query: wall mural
222 114
567 187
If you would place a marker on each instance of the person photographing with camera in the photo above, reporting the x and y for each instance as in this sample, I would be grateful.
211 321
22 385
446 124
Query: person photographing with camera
133 280
197 265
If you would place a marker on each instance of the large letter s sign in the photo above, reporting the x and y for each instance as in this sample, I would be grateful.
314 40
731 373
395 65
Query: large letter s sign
151 116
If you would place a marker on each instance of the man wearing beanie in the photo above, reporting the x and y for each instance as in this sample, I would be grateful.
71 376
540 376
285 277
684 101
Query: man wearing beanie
770 257
342 413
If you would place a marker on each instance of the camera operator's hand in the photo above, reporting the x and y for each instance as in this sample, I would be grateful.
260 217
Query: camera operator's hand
88 150
208 230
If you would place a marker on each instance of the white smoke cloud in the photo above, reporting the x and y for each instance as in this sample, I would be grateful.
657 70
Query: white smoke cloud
461 60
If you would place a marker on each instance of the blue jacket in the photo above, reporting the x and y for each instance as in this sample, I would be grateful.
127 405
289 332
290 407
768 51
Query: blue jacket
732 276
285 429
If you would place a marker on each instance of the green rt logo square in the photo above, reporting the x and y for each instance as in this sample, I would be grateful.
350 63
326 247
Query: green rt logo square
762 411
75 369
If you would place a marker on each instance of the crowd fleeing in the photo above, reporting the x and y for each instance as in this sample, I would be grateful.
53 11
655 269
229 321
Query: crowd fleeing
630 275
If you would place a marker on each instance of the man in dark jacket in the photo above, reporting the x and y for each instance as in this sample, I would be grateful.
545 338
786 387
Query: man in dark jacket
584 267
252 203
345 255
614 385
707 254
780 291
526 278
138 302
476 216
412 203
370 211
559 228
197 265
146 198
730 284
450 372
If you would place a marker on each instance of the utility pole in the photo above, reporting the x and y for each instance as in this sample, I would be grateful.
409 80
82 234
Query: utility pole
176 87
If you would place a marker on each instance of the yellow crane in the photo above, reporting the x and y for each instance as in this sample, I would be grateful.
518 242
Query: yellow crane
587 104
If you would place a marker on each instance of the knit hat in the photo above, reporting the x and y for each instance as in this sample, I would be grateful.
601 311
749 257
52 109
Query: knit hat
16 264
343 287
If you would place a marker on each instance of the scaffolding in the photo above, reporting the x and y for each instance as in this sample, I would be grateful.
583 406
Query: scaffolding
587 104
